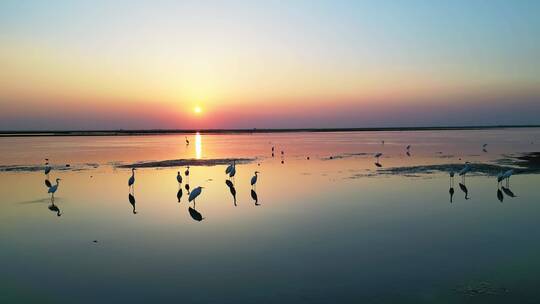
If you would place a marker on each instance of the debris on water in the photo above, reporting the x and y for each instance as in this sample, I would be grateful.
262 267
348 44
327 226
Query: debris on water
95 241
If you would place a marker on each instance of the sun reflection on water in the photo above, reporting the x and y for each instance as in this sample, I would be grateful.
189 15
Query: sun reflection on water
198 146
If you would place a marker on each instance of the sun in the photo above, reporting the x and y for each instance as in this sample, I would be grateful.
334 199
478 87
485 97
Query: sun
197 110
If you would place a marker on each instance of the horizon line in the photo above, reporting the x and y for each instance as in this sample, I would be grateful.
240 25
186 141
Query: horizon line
130 132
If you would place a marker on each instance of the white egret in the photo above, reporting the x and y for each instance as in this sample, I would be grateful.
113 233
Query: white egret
131 180
179 177
53 188
254 178
195 193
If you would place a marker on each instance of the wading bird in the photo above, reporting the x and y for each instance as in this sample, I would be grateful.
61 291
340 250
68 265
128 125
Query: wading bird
230 167
131 180
467 168
187 141
47 167
195 193
507 175
254 179
54 188
187 171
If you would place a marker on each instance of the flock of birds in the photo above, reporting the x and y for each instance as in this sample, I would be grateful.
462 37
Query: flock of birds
502 176
230 171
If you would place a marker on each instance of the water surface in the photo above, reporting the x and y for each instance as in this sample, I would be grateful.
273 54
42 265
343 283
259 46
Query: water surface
331 228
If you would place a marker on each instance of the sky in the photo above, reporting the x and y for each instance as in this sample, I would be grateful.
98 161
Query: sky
268 64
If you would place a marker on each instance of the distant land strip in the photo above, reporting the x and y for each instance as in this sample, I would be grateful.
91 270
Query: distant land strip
122 132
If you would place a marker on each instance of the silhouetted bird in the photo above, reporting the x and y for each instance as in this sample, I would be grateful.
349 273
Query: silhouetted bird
53 188
187 188
131 180
48 183
195 193
451 191
254 178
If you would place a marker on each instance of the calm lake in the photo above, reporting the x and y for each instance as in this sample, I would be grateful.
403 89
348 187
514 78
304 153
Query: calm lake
323 224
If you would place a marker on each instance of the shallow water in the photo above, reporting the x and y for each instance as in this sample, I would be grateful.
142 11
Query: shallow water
334 228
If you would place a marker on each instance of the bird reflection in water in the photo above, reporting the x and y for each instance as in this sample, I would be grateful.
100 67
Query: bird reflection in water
500 195
195 214
54 208
192 211
508 192
231 189
179 194
254 197
131 198
451 190
465 190
187 188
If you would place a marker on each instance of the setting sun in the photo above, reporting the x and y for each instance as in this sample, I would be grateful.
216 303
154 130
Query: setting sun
197 110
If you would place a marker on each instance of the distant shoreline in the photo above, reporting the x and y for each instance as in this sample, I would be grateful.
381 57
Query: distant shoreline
35 133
